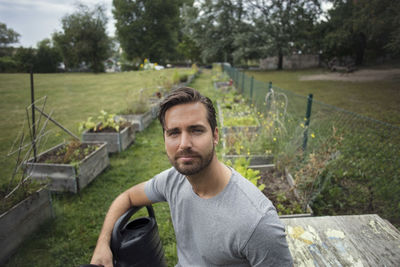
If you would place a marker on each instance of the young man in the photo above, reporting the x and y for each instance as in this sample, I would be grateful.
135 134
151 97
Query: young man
219 217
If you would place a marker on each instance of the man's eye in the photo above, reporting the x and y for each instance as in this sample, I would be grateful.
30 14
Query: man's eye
198 131
173 133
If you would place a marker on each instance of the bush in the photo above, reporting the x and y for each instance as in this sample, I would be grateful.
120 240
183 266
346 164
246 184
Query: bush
7 64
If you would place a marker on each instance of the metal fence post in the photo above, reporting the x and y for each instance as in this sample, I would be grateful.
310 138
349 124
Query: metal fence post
268 104
307 123
251 88
33 118
243 81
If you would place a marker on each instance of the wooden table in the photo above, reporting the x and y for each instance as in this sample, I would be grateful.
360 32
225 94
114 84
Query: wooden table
353 240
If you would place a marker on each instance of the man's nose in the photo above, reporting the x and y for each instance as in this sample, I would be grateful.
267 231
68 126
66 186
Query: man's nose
186 141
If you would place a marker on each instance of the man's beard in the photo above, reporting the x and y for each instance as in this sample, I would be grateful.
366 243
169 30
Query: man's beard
198 164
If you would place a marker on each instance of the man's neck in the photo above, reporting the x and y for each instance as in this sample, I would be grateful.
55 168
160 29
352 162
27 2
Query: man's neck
210 181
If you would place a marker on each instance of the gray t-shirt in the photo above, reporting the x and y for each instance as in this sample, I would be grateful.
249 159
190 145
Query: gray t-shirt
238 227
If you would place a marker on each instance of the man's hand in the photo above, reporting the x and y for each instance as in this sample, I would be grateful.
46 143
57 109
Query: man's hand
102 256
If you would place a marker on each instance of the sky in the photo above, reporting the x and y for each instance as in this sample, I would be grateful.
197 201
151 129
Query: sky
36 20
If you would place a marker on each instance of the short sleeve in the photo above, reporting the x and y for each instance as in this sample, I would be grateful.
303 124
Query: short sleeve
267 245
155 188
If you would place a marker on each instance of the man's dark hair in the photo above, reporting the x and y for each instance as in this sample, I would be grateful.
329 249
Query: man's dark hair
185 95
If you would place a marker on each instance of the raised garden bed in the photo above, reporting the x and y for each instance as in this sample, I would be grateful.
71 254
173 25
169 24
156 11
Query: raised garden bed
22 220
142 120
279 188
116 141
70 177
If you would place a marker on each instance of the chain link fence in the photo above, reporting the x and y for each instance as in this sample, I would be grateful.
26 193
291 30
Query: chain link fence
343 162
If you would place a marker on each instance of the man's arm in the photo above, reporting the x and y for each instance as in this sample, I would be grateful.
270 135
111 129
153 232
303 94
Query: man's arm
135 196
268 246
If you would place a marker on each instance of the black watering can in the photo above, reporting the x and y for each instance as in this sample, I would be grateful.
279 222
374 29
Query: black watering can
137 243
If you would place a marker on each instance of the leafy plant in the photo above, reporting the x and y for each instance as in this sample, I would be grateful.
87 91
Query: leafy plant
106 122
307 178
137 103
241 165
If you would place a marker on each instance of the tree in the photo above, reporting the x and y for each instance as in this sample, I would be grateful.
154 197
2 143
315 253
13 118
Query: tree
362 28
25 59
213 25
7 35
83 40
47 57
147 29
287 25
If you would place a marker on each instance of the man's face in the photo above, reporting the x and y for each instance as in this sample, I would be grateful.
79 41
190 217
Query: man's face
189 140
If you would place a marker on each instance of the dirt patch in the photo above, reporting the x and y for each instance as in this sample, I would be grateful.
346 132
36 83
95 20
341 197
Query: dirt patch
66 154
356 76
278 190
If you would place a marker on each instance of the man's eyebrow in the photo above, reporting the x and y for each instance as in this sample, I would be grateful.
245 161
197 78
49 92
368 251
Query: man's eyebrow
196 126
171 130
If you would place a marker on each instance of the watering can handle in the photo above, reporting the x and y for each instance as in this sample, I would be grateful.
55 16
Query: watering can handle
116 237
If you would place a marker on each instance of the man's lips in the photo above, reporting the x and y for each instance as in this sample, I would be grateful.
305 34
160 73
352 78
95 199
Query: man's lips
187 156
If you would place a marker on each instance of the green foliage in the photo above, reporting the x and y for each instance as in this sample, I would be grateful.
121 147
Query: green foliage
241 165
361 29
106 121
7 35
212 25
47 57
8 64
147 29
136 102
25 58
83 40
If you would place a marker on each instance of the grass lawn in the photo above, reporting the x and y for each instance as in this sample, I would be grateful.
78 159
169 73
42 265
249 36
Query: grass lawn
376 99
72 97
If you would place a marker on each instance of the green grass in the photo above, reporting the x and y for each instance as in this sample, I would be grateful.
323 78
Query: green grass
72 97
69 239
376 99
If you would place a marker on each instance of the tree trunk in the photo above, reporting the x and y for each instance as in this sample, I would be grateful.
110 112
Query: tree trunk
280 59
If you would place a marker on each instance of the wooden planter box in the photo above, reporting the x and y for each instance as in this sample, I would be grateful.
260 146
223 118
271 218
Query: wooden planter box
116 142
290 181
68 177
155 106
143 120
22 220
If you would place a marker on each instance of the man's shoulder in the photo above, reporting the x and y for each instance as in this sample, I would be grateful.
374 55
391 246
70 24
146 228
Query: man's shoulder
249 194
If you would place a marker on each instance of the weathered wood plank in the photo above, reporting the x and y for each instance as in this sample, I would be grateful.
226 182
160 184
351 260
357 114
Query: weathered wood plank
353 240
22 220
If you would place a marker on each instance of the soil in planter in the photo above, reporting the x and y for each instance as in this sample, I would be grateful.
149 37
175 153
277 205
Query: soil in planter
278 190
68 154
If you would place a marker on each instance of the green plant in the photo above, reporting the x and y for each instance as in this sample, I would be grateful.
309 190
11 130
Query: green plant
106 122
308 176
183 77
175 77
136 102
241 165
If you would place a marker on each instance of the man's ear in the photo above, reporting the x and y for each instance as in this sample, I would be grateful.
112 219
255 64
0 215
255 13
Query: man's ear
216 136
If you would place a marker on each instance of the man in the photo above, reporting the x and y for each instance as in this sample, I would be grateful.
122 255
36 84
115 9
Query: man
219 217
